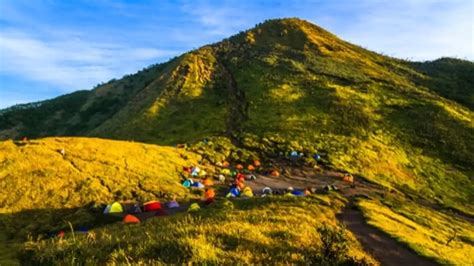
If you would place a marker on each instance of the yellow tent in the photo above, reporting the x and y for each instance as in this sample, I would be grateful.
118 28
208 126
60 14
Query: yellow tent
194 207
225 171
247 192
116 208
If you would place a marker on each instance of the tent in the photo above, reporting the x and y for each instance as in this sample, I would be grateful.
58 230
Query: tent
193 207
152 206
188 183
115 207
225 172
348 178
240 177
221 178
297 193
208 182
251 177
240 184
247 192
198 185
267 191
131 219
187 169
210 194
239 167
225 164
107 209
234 191
256 163
275 173
136 208
251 167
202 173
173 204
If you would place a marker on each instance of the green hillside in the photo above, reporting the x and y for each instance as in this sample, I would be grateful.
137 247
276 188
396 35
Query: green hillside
281 86
401 124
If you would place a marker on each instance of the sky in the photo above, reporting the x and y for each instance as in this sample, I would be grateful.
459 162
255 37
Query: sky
52 47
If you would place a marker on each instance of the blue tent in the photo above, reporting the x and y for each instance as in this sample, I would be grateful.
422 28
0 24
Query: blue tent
297 193
187 183
235 191
197 184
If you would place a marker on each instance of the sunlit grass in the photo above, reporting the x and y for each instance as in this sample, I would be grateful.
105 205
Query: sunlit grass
426 231
251 231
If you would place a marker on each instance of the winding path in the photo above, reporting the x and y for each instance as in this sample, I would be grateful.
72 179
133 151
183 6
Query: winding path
380 245
377 243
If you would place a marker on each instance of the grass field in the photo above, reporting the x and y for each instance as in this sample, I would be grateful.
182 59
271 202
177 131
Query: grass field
249 231
442 236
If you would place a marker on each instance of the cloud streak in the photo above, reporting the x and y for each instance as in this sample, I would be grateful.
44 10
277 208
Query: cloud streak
71 64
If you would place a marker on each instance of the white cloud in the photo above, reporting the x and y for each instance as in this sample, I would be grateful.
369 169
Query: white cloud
221 20
69 64
419 30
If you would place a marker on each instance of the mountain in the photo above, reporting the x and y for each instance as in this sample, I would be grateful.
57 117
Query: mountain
287 82
284 85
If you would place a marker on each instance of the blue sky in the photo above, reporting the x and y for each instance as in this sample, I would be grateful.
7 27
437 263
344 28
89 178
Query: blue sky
52 47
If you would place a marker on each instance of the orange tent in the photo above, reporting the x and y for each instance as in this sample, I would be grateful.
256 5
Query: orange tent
239 167
208 182
131 219
251 168
240 184
210 194
256 163
275 173
240 177
225 164
348 178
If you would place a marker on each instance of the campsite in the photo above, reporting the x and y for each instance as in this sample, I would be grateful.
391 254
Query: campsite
282 144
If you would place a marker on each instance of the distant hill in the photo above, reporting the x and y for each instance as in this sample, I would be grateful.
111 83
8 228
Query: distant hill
288 84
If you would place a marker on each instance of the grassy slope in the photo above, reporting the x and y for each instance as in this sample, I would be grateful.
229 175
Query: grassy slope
364 109
423 229
255 231
94 171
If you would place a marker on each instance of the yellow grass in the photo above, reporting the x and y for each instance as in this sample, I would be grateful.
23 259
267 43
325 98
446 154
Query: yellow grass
424 230
92 170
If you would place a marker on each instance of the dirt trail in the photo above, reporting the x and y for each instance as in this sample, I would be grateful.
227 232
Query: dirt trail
384 248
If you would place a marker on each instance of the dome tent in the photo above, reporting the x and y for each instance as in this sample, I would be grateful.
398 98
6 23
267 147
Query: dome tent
115 207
